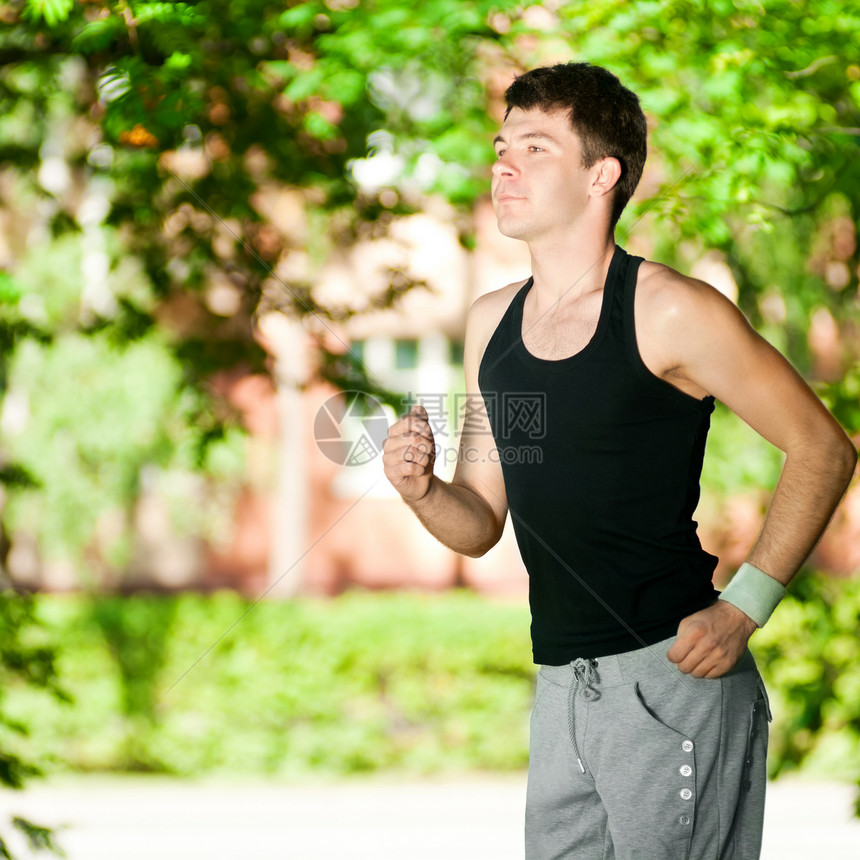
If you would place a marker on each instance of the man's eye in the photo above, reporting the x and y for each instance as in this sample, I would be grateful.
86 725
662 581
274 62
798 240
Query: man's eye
500 153
536 149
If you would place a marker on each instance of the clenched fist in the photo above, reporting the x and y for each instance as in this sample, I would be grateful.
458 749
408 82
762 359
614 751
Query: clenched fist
711 642
409 453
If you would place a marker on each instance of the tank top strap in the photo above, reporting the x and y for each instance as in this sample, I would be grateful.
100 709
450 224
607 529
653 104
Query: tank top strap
623 288
621 283
514 313
507 334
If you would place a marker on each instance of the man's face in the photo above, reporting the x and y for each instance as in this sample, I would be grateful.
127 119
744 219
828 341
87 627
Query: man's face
539 185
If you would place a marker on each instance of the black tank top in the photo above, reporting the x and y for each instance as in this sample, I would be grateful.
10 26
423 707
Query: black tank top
601 461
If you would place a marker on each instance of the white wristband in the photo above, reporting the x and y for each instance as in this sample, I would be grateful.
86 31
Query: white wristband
754 593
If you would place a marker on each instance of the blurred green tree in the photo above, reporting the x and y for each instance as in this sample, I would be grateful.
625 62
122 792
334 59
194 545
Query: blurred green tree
26 658
153 136
156 133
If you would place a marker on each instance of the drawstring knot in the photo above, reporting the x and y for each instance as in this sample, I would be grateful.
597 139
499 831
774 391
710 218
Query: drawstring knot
583 676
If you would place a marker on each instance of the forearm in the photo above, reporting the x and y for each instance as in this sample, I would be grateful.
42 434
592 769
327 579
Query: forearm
711 641
458 517
809 489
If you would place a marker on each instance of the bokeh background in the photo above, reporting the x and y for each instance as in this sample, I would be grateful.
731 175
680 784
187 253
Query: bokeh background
215 217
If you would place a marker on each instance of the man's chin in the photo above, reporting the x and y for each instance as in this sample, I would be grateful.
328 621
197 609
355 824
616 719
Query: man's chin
512 231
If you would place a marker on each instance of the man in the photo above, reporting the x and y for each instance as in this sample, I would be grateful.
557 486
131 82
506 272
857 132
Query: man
650 720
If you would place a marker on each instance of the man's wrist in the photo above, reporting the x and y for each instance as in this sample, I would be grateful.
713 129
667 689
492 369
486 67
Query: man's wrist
754 592
422 500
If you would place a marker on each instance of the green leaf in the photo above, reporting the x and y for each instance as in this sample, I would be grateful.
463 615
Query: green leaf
10 290
319 127
14 475
39 838
346 86
300 18
304 85
14 771
178 62
51 11
97 35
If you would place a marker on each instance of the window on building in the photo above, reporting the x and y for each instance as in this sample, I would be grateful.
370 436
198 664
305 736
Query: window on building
405 353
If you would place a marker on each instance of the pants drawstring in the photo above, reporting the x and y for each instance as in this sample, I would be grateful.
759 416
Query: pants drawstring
583 676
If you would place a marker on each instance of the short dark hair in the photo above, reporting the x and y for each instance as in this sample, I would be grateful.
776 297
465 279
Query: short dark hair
606 116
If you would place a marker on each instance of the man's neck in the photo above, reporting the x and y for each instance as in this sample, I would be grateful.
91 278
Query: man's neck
565 270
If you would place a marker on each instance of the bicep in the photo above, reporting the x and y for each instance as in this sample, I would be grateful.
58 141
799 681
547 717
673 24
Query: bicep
724 355
478 467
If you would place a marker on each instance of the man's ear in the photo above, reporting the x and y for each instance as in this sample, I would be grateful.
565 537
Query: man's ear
606 174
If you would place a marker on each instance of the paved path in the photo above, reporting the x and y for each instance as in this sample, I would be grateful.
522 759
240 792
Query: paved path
138 818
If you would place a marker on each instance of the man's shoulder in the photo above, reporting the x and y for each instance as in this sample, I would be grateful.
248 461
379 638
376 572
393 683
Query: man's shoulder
487 310
664 292
683 322
658 277
485 314
499 298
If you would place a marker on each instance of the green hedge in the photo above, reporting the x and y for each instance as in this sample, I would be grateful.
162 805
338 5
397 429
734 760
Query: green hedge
809 654
194 684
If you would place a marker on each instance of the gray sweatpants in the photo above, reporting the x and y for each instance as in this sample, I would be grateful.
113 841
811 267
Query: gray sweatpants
633 760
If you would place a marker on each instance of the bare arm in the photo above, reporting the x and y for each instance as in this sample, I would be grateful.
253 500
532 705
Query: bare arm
728 359
467 514
715 351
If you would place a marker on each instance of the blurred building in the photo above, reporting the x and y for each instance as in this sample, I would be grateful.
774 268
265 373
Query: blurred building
315 516
322 526
319 526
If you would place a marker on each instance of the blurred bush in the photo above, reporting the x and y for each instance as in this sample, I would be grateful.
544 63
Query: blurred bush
363 683
372 682
809 654
27 665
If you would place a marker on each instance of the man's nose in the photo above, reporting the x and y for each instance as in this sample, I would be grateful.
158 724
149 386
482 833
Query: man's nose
504 166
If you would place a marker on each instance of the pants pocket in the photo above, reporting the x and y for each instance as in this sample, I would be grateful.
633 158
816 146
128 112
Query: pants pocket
746 827
647 777
766 699
756 748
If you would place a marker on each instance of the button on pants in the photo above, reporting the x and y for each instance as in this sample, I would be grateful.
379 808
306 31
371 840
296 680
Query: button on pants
631 759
